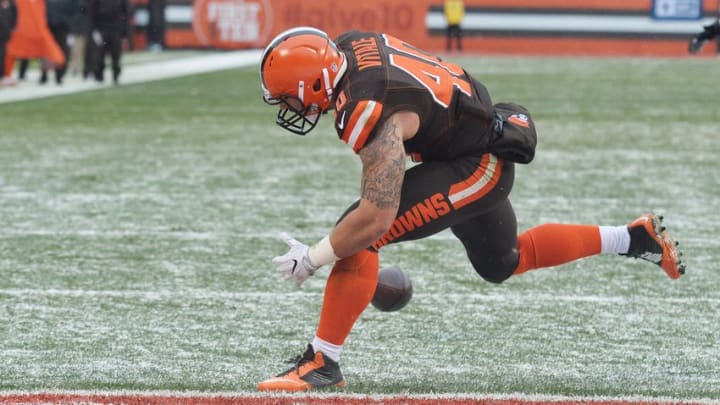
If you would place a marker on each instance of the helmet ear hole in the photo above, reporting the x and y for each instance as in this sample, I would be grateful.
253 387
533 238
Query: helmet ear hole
316 85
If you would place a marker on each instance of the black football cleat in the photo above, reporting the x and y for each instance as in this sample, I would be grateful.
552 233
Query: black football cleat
650 241
311 371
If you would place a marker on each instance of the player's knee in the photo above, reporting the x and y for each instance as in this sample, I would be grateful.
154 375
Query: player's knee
496 270
493 275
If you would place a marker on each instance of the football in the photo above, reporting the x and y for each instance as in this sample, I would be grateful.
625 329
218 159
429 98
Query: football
393 291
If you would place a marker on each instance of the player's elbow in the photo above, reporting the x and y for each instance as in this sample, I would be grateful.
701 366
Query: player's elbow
381 226
378 224
371 222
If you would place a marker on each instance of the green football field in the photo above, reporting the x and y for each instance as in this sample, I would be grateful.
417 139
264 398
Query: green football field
138 224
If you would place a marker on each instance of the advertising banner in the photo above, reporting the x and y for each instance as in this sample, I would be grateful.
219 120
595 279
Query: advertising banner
534 27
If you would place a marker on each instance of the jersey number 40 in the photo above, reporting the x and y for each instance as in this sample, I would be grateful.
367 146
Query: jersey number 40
438 77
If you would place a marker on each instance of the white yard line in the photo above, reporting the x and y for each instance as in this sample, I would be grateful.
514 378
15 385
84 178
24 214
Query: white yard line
131 74
199 294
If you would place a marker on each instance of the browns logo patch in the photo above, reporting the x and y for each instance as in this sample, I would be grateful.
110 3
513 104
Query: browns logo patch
520 120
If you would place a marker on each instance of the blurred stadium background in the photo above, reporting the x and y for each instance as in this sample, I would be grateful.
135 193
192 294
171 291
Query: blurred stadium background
138 221
539 27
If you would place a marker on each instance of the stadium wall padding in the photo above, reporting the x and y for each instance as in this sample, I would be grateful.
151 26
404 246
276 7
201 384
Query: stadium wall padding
504 27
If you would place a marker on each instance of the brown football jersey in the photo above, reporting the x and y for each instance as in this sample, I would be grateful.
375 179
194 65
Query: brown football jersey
386 75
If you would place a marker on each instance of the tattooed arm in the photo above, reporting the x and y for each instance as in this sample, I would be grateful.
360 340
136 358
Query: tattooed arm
383 169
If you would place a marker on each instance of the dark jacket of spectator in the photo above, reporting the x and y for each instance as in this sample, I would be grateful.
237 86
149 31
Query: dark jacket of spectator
60 12
8 19
109 16
79 21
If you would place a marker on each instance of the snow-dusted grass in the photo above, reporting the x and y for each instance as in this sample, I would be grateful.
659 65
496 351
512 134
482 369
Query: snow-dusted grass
138 224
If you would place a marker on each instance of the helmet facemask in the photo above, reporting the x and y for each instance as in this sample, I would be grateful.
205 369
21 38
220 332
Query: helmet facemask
293 114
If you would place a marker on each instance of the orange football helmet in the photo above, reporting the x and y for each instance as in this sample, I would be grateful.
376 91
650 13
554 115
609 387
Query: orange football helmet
299 71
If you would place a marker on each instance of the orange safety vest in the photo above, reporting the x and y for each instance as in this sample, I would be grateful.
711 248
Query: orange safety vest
454 11
32 38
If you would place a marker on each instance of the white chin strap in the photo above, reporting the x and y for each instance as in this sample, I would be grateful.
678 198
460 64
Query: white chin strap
301 91
328 85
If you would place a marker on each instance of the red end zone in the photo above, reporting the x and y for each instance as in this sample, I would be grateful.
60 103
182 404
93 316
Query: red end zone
301 399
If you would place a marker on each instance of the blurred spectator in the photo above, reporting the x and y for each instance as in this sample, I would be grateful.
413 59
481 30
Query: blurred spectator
8 20
77 62
109 23
22 68
454 13
59 15
32 38
156 25
708 33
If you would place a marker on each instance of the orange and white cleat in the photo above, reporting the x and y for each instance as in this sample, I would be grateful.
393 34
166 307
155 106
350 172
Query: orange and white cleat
311 371
650 241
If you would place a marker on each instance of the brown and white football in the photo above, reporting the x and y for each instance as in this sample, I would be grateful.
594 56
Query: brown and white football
393 291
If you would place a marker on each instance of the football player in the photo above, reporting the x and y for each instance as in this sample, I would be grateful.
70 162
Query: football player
392 100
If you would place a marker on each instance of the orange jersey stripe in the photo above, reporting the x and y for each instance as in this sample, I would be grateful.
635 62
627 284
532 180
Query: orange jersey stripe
478 184
361 123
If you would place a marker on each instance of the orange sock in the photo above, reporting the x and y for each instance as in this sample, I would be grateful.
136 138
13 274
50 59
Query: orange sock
554 244
348 291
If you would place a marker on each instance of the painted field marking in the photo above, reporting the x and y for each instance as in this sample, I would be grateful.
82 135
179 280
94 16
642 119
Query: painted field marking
137 73
253 398
204 294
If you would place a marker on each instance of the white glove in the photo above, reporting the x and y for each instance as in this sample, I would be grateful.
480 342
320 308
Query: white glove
97 37
295 264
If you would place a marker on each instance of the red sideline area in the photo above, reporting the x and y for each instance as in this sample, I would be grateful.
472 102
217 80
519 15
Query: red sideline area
137 399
